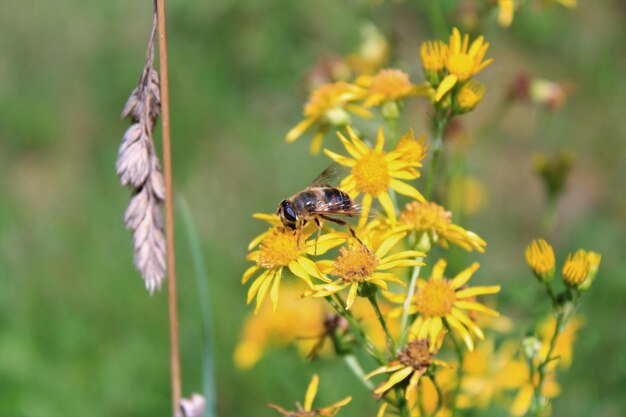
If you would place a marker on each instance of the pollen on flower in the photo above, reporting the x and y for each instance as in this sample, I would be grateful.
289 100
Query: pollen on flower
416 354
435 299
355 264
391 83
279 248
371 173
425 216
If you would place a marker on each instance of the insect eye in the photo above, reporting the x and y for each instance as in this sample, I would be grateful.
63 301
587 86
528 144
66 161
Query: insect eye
288 212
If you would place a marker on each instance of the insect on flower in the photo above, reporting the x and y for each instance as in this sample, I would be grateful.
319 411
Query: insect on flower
319 201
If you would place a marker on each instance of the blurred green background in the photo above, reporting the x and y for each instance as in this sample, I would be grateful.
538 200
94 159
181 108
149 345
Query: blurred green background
80 336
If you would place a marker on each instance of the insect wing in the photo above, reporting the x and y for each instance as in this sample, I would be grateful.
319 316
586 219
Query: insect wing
331 176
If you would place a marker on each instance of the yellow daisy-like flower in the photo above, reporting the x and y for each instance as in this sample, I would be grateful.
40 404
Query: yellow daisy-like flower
580 268
389 85
373 172
280 248
413 150
357 265
540 258
440 300
412 362
329 105
296 321
463 61
430 218
307 410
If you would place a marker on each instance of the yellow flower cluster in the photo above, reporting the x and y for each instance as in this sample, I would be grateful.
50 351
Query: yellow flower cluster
383 285
449 69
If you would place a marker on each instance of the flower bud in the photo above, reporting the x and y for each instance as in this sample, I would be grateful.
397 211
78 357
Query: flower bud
531 346
540 258
468 97
580 269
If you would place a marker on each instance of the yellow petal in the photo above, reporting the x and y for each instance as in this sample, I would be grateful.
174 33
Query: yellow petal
254 288
394 379
339 403
406 189
299 129
389 243
340 159
464 276
260 297
470 305
439 269
474 291
299 271
446 85
351 295
385 201
380 140
249 272
383 369
462 331
274 291
316 143
382 409
311 392
352 150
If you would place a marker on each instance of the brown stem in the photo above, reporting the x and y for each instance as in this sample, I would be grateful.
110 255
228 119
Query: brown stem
169 210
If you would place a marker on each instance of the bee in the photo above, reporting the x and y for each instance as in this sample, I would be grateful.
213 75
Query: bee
319 201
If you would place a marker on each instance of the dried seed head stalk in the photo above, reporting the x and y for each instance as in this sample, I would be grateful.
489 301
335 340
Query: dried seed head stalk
140 169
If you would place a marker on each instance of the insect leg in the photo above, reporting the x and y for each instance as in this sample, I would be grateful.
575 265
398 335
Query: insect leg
319 231
342 223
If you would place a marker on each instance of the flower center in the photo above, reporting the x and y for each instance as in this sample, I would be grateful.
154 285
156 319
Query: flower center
461 65
416 354
354 264
425 216
279 248
391 83
435 299
371 173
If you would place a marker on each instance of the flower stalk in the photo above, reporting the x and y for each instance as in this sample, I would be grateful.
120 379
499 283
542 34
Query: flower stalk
169 211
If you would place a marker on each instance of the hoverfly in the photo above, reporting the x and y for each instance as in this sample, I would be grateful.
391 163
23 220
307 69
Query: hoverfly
319 201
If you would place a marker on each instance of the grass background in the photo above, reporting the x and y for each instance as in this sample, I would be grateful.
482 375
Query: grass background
78 334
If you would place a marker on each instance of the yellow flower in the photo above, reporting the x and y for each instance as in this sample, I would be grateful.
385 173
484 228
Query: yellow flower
280 248
307 410
434 220
468 97
564 347
294 321
440 300
488 373
463 61
389 85
580 268
434 60
524 396
413 150
373 172
329 105
358 265
411 362
540 258
506 9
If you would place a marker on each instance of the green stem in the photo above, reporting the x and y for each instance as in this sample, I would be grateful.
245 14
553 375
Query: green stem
459 353
402 404
353 363
549 219
541 369
440 123
439 394
357 330
407 303
436 19
383 323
